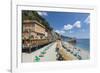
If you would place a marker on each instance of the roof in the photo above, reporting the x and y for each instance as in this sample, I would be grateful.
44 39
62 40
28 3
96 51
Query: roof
33 21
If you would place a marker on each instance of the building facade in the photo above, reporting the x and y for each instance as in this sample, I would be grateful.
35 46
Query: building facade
34 34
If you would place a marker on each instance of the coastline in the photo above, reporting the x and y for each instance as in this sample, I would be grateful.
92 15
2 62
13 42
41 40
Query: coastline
83 53
65 54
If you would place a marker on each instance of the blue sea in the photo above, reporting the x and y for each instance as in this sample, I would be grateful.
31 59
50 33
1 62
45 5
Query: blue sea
83 43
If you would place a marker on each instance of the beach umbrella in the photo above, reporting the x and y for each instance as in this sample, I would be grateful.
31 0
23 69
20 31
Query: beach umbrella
37 59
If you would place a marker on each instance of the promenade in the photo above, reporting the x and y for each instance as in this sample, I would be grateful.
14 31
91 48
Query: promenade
48 53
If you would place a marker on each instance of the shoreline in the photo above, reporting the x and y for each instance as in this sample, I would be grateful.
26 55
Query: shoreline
65 54
85 54
85 49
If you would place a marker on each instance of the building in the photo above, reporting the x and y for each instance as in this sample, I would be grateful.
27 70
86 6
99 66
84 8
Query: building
34 34
34 29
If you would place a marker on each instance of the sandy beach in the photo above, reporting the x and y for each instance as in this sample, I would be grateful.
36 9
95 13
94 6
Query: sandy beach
65 54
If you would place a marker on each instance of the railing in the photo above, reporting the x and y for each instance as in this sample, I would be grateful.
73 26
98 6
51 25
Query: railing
37 42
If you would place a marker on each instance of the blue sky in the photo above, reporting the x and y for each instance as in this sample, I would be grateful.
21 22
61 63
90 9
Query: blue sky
69 23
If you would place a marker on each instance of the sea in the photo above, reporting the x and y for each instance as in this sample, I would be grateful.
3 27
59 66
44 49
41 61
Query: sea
83 43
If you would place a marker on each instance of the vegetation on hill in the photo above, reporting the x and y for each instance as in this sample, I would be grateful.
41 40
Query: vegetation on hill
33 15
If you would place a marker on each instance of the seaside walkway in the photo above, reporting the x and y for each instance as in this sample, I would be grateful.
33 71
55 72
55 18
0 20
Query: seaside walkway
47 53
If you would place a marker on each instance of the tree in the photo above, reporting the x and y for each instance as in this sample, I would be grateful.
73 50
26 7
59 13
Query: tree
33 15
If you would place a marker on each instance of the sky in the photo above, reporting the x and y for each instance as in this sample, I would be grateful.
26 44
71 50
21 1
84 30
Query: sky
69 24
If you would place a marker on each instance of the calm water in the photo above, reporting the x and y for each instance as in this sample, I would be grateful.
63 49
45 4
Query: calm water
83 43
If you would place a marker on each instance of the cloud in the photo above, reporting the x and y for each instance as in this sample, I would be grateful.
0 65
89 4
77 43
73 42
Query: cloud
42 13
57 31
77 24
87 20
68 27
60 31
